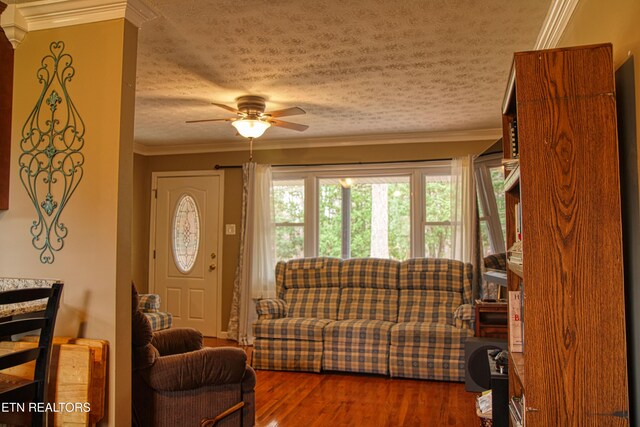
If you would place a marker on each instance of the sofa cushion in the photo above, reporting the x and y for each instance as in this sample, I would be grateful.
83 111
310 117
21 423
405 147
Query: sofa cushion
369 304
290 328
426 363
149 303
288 355
311 286
356 356
369 273
320 272
358 330
321 303
369 289
435 274
428 306
159 320
431 289
435 336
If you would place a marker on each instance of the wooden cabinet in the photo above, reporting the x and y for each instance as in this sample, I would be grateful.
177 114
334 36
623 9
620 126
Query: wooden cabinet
560 110
491 319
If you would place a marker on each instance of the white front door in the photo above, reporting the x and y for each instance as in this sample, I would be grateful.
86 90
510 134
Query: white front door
187 237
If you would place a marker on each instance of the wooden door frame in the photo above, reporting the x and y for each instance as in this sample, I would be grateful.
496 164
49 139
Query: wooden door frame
6 99
152 231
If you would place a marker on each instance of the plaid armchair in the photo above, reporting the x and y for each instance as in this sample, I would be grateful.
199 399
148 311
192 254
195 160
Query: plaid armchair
434 320
289 330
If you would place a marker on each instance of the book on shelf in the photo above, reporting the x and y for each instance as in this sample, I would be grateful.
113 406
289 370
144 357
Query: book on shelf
513 136
518 222
515 253
516 341
510 164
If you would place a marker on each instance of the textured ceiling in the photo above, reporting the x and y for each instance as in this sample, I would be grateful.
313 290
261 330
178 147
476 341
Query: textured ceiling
357 67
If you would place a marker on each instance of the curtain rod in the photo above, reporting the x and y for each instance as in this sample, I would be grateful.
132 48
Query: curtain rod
216 167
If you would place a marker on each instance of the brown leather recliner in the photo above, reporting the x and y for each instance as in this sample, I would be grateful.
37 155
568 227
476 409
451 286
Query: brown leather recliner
176 382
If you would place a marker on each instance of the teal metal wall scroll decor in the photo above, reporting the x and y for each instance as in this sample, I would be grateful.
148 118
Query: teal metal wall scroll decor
51 160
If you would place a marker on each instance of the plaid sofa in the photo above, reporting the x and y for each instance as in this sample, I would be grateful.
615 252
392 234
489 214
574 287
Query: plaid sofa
149 304
368 315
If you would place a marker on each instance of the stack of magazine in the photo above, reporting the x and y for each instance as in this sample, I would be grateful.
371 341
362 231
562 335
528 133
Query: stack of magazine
514 258
484 405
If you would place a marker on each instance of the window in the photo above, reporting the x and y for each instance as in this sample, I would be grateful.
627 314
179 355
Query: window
437 224
364 217
491 204
186 233
288 197
348 212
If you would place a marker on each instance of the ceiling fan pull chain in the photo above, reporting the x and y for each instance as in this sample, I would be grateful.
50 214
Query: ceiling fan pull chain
250 149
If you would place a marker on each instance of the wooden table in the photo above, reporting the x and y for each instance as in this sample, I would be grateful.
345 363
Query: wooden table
491 319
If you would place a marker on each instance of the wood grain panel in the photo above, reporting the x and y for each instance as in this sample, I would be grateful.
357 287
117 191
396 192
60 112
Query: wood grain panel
575 353
6 97
562 73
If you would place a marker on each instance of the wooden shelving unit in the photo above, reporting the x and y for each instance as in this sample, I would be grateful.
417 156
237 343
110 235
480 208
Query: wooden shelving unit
560 107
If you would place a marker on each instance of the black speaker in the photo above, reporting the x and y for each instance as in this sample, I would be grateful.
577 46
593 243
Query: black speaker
477 376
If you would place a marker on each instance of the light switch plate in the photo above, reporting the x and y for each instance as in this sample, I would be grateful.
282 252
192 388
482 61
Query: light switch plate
230 229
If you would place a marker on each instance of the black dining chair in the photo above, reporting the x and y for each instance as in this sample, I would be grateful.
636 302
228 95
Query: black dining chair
25 399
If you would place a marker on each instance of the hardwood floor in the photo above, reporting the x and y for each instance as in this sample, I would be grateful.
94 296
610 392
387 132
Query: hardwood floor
285 399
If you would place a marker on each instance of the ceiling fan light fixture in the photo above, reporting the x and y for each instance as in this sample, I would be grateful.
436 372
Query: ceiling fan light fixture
251 128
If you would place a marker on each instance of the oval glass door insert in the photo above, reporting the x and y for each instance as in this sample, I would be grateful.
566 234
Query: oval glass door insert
186 233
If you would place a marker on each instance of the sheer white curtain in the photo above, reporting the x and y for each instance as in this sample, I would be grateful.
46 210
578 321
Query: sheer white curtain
255 277
463 209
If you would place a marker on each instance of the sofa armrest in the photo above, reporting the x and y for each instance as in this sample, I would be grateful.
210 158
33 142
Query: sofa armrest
205 367
464 316
176 341
272 308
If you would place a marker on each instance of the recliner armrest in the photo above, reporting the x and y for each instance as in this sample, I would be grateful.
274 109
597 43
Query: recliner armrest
464 316
271 308
176 341
205 367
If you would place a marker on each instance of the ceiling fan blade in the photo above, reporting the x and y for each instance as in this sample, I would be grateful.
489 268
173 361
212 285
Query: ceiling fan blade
226 107
288 125
210 120
293 111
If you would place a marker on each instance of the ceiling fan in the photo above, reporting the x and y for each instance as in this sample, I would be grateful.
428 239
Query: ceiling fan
252 121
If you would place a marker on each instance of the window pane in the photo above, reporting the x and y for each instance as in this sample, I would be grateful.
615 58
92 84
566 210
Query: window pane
289 242
288 200
437 241
380 217
288 204
186 233
330 218
379 223
484 235
497 180
437 198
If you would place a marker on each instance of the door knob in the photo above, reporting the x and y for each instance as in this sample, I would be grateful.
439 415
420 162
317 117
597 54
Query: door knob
212 267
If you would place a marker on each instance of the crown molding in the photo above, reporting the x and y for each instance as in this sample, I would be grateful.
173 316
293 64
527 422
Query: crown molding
21 18
555 23
553 27
360 140
13 24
